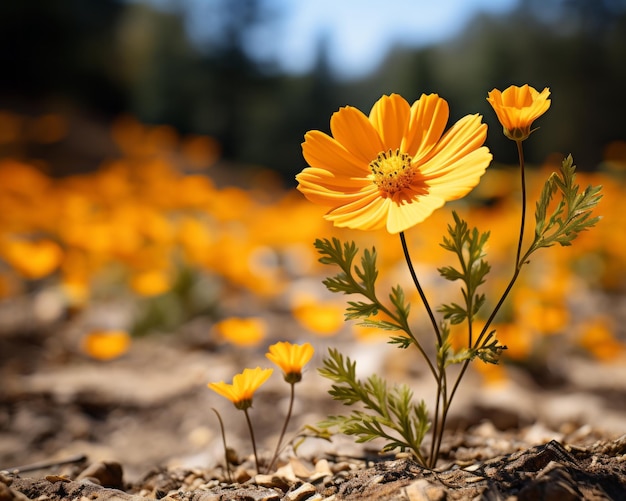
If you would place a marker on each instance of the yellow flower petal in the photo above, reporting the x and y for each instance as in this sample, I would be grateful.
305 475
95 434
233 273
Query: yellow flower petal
351 128
405 215
429 116
390 117
244 385
320 150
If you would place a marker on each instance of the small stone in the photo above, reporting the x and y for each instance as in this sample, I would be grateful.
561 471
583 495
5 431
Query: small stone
241 475
305 491
5 479
264 480
299 468
341 466
107 474
286 473
423 490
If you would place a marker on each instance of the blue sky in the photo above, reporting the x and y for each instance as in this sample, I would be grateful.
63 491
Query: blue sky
359 32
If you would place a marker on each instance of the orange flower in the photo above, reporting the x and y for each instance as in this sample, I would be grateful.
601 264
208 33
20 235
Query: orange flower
244 385
242 331
33 259
322 318
106 345
291 358
517 108
394 168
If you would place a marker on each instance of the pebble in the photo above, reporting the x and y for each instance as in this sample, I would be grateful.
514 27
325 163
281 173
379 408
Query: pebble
423 490
305 492
107 474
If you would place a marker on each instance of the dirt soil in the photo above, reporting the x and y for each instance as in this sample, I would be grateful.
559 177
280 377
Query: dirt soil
142 426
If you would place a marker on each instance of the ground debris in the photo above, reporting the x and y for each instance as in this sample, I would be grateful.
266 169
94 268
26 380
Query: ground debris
550 472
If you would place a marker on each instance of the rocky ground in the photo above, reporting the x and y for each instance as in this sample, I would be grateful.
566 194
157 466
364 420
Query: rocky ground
142 427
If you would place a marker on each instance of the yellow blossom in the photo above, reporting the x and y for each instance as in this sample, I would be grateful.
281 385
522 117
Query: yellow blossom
107 344
151 282
291 358
241 391
517 108
393 168
322 318
598 337
242 331
32 259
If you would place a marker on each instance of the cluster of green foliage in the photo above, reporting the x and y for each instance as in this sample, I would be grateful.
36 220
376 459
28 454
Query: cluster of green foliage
390 413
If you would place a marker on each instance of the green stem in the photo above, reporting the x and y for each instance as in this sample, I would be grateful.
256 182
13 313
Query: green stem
282 433
226 462
519 259
256 457
520 154
439 424
439 375
419 287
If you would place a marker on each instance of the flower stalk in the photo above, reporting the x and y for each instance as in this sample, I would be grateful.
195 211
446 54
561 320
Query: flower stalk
291 358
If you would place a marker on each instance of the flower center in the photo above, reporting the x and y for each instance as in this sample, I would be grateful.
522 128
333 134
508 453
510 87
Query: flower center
392 171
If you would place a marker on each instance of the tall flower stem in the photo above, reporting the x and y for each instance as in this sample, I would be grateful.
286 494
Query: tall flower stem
409 263
282 433
519 262
256 457
520 153
519 259
439 373
226 462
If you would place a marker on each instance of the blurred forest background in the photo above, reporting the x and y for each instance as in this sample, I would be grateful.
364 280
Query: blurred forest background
94 61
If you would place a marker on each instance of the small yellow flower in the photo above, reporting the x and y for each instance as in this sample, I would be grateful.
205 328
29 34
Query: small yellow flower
517 108
291 358
241 391
393 168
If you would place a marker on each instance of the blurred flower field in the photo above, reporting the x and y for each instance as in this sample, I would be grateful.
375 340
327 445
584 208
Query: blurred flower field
158 234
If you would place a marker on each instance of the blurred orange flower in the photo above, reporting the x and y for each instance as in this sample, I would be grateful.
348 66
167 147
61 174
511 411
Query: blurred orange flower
325 319
517 108
241 391
151 282
242 331
597 337
107 344
32 259
394 168
291 358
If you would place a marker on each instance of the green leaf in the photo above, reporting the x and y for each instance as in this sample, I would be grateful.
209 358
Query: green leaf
360 309
403 342
381 324
453 312
490 350
402 307
468 245
571 215
388 412
368 273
